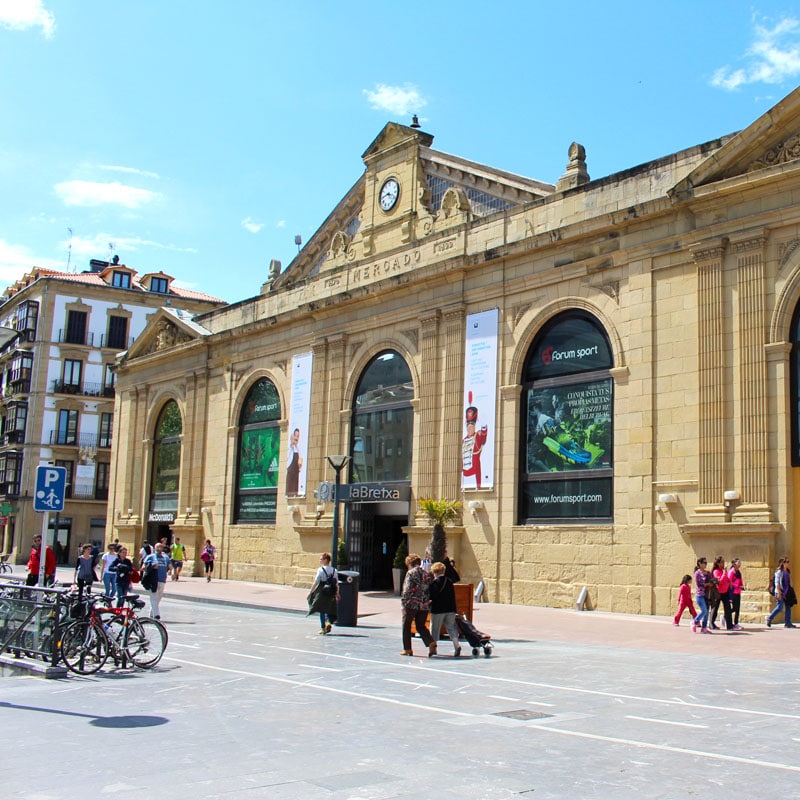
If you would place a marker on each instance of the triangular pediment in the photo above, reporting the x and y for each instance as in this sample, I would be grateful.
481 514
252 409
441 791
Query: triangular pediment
395 135
773 139
166 328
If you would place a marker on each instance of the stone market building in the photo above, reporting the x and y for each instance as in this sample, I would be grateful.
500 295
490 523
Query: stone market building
604 372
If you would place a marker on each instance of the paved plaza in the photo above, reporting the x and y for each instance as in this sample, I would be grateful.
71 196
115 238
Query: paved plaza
250 702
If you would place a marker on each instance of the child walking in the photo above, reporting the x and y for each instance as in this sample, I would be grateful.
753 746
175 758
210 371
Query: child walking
684 600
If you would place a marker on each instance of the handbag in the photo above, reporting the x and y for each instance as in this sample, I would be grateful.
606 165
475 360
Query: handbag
791 597
135 576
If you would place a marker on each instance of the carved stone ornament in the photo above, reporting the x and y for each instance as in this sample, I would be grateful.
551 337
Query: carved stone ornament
455 201
786 249
787 150
167 335
339 244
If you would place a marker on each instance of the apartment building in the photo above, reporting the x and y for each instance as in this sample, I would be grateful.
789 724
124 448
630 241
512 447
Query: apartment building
62 332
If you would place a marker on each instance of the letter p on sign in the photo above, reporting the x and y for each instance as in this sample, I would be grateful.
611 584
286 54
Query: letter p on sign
51 483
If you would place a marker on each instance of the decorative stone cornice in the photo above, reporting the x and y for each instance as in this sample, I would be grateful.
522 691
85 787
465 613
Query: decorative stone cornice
708 251
755 242
787 150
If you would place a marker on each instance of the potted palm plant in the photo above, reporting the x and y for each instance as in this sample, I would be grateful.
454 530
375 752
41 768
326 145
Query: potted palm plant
440 512
399 566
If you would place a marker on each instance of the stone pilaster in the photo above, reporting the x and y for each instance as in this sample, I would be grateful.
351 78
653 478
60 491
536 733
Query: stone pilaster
336 427
713 403
753 415
428 479
452 401
317 468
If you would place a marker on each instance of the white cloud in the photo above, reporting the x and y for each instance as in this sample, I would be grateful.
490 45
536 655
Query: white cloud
281 223
129 170
19 15
97 246
249 224
774 57
92 193
17 259
399 100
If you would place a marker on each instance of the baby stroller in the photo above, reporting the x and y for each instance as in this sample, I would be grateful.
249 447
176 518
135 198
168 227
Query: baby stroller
475 638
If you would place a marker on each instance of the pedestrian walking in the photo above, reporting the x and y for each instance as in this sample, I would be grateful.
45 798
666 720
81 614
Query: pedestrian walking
416 603
109 573
701 579
124 570
784 594
84 570
443 606
33 563
324 594
159 562
684 600
208 556
177 557
720 574
735 591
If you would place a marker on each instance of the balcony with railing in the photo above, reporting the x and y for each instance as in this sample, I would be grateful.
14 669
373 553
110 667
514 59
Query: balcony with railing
118 343
85 388
87 440
89 493
66 336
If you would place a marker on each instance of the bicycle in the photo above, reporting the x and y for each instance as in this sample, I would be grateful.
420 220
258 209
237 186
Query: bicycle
4 565
141 640
87 643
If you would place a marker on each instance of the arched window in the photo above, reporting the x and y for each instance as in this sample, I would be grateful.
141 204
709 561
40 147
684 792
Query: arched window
383 421
167 458
566 429
795 387
259 447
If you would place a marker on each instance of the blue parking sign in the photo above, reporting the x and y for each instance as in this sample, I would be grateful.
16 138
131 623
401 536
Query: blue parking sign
51 484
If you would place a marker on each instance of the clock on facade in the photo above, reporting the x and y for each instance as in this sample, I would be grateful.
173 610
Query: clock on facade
390 191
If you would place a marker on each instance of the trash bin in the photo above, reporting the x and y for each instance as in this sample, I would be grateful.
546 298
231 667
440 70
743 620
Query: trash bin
347 610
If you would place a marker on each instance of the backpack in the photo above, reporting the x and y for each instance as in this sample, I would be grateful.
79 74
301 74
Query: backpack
330 584
771 587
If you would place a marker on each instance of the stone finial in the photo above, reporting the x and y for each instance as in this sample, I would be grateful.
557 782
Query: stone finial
576 174
274 269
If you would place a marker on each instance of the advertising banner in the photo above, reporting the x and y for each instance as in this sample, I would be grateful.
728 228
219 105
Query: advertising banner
259 458
480 400
299 416
569 427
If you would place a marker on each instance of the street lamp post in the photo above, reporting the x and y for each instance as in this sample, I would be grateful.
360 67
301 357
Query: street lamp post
338 463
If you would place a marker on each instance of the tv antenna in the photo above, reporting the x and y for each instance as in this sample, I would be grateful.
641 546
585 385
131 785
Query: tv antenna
69 249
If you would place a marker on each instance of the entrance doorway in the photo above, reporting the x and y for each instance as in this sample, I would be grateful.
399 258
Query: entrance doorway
156 531
372 539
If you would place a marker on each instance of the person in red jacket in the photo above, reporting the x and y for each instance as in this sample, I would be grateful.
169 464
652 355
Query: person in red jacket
684 600
723 584
33 564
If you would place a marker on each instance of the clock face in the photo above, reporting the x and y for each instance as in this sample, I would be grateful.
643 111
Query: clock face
390 191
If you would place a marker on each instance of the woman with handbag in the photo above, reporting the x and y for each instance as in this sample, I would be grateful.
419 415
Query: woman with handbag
784 594
208 557
723 585
324 594
416 604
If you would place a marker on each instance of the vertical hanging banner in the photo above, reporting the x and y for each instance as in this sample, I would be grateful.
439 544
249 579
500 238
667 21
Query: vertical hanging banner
480 400
299 416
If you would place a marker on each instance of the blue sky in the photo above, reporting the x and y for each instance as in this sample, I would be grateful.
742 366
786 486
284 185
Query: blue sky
200 137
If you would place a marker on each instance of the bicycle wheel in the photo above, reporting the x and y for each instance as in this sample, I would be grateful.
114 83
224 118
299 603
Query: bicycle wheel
84 647
146 641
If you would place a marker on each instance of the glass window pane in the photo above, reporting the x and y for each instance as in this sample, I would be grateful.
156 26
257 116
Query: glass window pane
387 379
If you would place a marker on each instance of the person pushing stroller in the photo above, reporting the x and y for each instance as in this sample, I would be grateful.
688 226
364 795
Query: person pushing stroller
443 606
